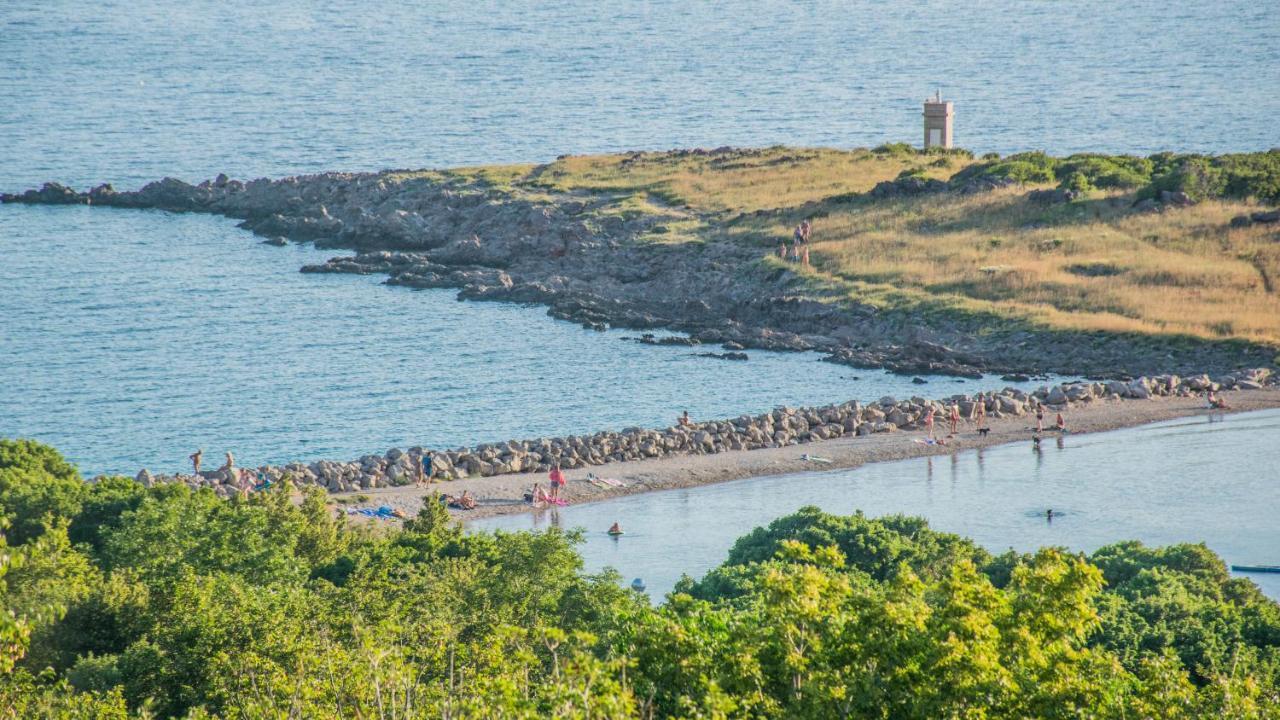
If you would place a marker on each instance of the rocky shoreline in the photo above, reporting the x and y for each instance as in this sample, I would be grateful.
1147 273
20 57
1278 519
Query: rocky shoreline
782 427
574 253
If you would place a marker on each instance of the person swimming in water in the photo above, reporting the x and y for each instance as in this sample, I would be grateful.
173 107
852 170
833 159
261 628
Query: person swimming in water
615 529
1048 514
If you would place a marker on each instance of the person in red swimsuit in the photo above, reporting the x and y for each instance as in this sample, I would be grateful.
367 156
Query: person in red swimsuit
557 482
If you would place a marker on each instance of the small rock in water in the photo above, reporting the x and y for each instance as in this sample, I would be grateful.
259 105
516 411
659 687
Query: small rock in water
919 381
276 241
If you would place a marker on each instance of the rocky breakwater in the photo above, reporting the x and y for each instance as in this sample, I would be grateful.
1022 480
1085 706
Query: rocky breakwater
779 428
591 260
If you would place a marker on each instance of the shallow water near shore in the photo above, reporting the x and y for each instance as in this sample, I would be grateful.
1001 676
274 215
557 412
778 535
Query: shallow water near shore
1211 479
133 337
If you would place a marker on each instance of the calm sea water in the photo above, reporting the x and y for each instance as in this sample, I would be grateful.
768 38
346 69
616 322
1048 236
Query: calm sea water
1203 479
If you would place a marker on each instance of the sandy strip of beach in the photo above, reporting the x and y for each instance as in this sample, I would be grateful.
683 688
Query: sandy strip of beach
503 494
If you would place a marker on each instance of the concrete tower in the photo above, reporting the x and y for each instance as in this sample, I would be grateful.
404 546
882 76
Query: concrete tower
937 122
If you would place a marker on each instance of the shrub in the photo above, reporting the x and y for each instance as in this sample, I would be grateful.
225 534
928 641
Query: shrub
1104 171
894 149
1195 176
95 674
1027 167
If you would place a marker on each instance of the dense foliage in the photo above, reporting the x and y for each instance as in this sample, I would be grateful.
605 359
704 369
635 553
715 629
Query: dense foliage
1240 175
120 601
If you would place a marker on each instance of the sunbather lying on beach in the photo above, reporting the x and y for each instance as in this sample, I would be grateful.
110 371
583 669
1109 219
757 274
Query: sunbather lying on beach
537 495
463 501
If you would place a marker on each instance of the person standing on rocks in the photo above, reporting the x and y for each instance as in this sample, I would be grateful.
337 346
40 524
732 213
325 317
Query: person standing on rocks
557 482
230 467
195 461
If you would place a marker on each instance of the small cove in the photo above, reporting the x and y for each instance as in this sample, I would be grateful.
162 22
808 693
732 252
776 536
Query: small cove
1211 479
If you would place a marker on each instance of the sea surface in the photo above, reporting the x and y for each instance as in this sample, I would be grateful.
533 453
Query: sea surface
128 339
1211 479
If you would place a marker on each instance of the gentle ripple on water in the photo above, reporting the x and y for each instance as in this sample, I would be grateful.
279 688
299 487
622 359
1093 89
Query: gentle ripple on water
1200 479
133 90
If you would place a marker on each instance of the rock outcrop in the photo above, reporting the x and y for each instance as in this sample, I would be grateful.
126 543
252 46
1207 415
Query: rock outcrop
781 427
590 264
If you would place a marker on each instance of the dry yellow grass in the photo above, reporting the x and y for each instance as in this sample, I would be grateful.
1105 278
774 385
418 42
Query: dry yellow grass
1086 266
736 182
1091 265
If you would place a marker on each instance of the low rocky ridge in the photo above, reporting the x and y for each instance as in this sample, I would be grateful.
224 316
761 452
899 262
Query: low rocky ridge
591 264
781 427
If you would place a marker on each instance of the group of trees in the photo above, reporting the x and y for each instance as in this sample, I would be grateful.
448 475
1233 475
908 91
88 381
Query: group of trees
1201 177
122 601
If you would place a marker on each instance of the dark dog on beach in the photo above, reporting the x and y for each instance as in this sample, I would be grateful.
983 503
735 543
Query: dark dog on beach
983 431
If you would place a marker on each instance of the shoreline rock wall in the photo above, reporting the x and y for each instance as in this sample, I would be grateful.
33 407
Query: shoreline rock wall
777 428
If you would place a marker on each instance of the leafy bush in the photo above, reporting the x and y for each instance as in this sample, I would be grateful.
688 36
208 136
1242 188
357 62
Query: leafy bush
895 149
36 484
1201 177
1026 168
1103 171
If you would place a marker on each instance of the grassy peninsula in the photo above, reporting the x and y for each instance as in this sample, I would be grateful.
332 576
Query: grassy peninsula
1108 266
982 237
118 600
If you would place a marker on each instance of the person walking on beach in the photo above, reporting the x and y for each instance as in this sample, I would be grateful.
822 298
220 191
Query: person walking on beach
195 461
797 239
1061 423
425 469
928 421
557 482
1039 418
954 417
981 414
